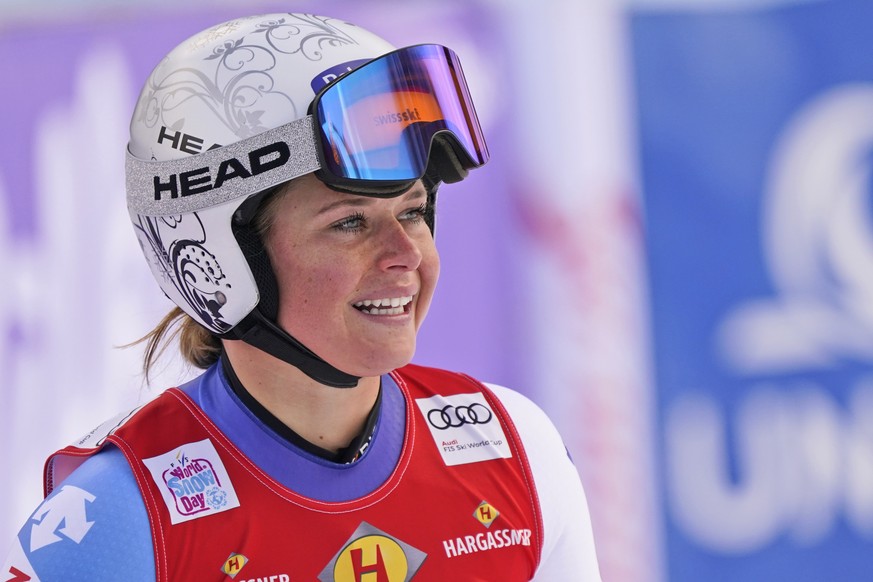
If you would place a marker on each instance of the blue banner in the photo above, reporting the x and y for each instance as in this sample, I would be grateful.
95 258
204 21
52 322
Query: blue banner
756 135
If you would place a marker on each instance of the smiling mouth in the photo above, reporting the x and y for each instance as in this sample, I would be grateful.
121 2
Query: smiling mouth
391 306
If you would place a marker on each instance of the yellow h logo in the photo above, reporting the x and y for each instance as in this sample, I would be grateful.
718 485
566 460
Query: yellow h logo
486 513
372 558
234 564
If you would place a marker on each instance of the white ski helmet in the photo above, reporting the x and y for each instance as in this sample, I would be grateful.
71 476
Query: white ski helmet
249 104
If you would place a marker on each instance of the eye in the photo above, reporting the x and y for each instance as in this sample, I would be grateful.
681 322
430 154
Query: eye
353 223
417 214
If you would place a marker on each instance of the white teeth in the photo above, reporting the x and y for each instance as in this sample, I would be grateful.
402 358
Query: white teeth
387 306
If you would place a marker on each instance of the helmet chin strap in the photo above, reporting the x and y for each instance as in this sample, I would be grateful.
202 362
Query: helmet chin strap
260 332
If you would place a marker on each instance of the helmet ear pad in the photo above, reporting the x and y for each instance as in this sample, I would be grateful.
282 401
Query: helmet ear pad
256 255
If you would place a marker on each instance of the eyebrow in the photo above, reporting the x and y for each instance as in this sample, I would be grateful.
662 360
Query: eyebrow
355 200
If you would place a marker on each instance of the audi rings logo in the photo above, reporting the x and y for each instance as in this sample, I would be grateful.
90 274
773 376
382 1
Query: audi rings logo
456 416
462 428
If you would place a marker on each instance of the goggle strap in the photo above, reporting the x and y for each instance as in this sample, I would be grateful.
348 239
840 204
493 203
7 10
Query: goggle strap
222 174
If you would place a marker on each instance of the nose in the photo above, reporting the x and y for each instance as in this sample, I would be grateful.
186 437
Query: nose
399 248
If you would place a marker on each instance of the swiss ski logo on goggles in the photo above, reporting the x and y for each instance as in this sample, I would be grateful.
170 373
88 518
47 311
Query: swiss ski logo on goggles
377 123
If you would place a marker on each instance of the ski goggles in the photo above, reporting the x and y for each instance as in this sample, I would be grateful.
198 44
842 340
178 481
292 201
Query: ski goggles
370 130
376 125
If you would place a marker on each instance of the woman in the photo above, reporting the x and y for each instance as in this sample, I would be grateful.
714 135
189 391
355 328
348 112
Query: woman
282 175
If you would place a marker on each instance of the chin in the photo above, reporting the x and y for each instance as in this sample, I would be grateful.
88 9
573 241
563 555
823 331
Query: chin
377 366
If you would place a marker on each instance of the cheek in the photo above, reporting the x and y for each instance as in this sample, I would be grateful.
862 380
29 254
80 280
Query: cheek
304 283
429 271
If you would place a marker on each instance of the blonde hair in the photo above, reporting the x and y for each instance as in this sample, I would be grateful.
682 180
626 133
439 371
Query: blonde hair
198 346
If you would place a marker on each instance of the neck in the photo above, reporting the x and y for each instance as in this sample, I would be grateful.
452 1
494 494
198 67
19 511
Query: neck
327 417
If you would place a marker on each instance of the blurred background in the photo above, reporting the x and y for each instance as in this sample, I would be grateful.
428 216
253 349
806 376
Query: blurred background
671 252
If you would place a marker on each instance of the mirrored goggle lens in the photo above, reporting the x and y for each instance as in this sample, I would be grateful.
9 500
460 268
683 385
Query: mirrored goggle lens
378 122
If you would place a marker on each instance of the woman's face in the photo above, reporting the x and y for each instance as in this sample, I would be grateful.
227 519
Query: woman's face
356 274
